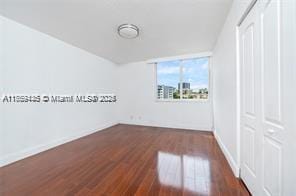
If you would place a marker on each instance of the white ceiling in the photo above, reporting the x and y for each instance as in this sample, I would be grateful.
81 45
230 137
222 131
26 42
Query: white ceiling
167 27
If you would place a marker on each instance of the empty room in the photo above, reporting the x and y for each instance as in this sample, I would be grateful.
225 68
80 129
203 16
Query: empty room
147 97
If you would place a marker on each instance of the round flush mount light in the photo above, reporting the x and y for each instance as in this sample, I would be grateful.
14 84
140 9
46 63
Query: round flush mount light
128 31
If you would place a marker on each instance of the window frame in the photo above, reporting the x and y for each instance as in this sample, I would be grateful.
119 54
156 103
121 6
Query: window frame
204 55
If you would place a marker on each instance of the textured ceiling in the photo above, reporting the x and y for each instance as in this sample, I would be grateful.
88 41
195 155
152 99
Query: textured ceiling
167 27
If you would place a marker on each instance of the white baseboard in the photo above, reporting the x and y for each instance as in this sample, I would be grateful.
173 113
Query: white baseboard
13 157
229 158
174 126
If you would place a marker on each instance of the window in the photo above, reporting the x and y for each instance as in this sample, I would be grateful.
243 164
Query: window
183 79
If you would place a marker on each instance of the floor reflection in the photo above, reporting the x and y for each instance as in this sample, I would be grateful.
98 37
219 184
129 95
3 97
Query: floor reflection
183 171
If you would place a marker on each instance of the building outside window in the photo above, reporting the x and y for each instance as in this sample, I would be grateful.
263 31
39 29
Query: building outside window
183 79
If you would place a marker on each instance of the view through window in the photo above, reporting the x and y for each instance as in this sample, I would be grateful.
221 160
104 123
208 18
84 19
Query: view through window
183 79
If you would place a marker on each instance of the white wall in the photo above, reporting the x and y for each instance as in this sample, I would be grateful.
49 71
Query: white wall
33 62
1 87
225 85
138 105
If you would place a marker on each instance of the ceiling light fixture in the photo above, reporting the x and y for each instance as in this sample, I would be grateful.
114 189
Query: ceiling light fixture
128 31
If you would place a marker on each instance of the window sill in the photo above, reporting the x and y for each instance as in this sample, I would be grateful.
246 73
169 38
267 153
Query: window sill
183 101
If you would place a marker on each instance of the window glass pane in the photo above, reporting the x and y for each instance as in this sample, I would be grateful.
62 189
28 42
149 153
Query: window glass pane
168 77
195 78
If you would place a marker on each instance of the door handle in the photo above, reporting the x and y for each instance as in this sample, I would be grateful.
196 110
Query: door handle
271 131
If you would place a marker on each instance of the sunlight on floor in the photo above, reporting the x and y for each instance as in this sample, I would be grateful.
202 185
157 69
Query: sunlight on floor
184 171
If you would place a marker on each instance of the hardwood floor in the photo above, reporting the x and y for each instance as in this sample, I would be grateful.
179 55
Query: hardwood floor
126 160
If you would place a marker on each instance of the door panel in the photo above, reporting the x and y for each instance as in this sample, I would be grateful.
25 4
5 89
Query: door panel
272 121
272 159
248 70
250 113
268 116
249 149
271 61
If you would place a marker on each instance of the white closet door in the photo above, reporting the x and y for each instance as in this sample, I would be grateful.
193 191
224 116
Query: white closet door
267 60
251 133
277 89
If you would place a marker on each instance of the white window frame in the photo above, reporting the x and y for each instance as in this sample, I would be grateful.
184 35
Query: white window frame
184 57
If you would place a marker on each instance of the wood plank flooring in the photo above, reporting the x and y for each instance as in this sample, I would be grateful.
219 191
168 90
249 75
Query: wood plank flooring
126 160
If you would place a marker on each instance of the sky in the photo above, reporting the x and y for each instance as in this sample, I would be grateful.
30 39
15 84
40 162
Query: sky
195 71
